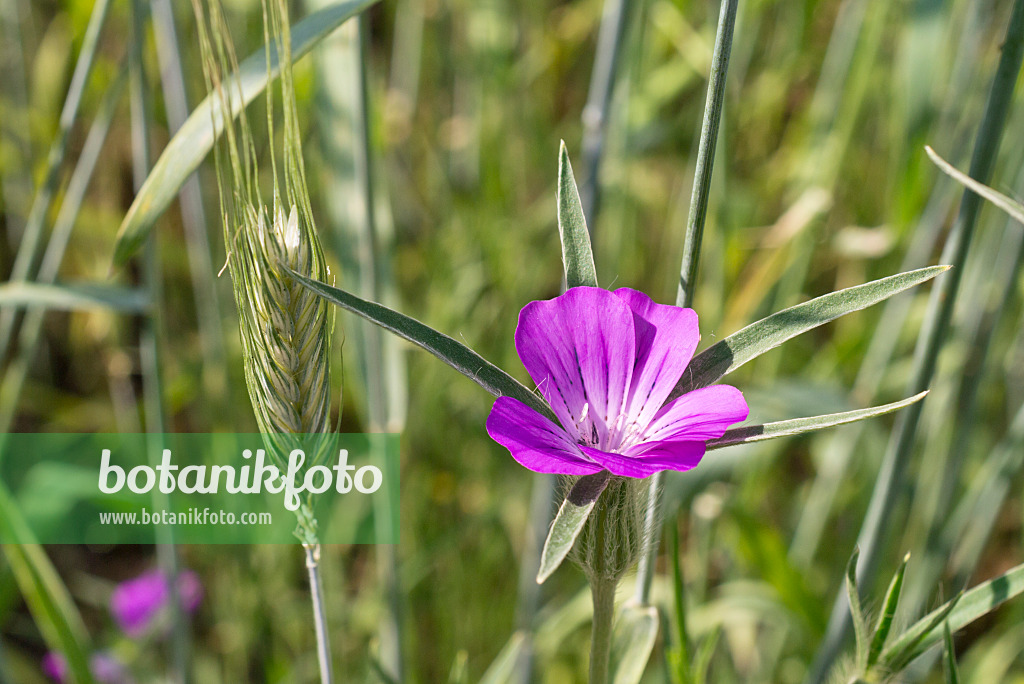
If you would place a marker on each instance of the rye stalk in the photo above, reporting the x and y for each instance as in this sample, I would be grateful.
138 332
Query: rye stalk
285 328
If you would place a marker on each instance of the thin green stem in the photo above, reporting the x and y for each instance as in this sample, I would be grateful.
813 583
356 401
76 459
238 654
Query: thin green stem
599 96
940 311
603 592
706 152
149 342
691 249
316 592
193 216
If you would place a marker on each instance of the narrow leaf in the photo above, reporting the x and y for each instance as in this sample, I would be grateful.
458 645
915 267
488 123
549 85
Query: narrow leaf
704 654
768 333
455 354
892 599
977 602
74 297
44 593
569 521
682 650
577 255
920 637
952 673
634 638
859 626
796 426
193 141
503 666
1010 206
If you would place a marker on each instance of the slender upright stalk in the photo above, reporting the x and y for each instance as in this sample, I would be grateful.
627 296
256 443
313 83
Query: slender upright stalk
316 591
360 239
940 312
599 96
193 216
603 593
691 249
149 342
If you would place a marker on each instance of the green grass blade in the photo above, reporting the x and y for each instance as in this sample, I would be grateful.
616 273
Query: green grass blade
952 673
503 666
682 656
193 141
796 426
704 655
885 618
706 152
961 612
713 106
636 632
193 215
607 55
1013 208
455 354
32 325
569 521
35 224
891 474
921 636
859 626
77 297
577 254
768 333
47 598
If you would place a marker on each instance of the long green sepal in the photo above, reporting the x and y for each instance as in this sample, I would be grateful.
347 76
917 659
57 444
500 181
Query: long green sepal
193 141
768 333
577 254
454 353
569 521
796 426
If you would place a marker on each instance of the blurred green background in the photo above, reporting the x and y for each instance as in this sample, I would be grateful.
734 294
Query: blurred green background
821 182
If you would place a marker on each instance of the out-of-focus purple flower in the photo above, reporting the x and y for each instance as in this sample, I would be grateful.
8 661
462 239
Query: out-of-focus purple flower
135 603
105 668
55 666
607 362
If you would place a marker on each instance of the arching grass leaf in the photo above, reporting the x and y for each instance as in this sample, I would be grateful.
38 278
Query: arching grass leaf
195 138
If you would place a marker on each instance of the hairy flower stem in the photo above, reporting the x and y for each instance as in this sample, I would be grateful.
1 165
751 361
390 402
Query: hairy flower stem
602 589
603 592
316 592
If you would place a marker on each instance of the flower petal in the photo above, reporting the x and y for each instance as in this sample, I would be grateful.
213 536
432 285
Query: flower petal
666 337
699 415
643 460
534 441
580 348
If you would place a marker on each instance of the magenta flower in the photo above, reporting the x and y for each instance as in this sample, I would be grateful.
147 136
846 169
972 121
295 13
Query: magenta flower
135 603
105 668
607 362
